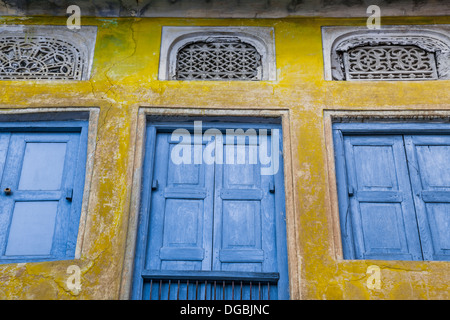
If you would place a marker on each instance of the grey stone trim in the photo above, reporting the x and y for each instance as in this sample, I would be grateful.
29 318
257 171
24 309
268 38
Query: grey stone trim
175 38
226 8
46 52
338 40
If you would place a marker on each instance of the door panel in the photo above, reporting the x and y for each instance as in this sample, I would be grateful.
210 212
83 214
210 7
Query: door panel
42 166
32 228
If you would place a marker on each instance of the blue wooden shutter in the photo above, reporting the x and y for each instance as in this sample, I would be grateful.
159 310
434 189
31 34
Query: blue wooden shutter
244 206
180 223
429 167
181 215
380 207
40 171
209 230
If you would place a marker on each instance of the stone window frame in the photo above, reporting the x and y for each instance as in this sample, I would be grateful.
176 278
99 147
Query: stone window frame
147 113
82 39
431 38
173 38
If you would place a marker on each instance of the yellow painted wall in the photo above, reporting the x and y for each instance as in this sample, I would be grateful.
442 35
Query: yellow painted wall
124 77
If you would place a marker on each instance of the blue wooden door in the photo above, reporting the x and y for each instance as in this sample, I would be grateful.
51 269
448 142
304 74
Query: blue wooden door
38 172
428 162
209 220
380 219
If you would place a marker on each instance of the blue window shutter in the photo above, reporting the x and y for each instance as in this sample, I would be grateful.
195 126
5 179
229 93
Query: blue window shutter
381 208
39 221
244 219
244 223
181 214
207 220
428 162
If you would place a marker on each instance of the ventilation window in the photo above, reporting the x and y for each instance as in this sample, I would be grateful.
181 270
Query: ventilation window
389 63
217 53
218 60
402 53
45 53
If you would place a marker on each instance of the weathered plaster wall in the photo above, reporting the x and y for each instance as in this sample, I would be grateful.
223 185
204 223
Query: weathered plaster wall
124 77
225 8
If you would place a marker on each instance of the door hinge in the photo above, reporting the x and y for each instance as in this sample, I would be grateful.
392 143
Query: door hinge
271 187
69 194
351 191
154 184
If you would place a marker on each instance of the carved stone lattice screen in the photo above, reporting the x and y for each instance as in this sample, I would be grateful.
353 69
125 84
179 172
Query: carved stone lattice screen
39 58
389 63
46 52
218 61
397 52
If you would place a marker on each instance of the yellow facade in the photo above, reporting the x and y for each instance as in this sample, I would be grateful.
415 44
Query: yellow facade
125 78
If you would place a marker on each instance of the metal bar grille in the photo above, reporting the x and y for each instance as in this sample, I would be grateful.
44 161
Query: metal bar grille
213 286
207 290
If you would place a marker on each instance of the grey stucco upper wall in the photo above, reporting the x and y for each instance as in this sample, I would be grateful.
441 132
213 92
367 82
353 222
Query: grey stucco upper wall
225 8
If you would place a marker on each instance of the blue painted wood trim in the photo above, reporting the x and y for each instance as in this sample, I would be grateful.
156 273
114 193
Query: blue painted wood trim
212 275
281 229
78 189
392 128
170 126
343 200
144 212
44 126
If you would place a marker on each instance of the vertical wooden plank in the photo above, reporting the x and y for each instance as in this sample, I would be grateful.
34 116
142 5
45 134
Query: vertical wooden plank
4 205
68 219
80 153
144 216
342 190
217 213
280 222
